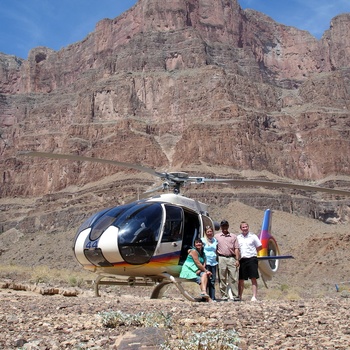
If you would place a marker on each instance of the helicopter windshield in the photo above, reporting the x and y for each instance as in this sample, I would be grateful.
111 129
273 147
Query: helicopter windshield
105 219
87 223
139 232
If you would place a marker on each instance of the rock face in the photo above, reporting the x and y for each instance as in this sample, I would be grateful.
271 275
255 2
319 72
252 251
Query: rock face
182 83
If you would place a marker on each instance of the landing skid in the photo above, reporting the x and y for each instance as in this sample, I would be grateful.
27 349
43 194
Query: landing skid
158 291
129 282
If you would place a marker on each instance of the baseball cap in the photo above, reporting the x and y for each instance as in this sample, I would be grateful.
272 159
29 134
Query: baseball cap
224 223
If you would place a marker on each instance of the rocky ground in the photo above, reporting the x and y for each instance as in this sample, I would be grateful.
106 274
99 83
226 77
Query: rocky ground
34 321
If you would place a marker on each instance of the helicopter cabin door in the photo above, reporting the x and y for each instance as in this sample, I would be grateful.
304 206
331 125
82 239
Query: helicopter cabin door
172 231
181 227
192 227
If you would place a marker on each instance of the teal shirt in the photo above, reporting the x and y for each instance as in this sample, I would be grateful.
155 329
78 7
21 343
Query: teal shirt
210 251
190 268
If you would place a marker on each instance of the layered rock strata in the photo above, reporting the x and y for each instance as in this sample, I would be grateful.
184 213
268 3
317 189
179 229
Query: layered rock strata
179 84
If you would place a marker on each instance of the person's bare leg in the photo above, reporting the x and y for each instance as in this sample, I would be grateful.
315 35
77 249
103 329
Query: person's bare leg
240 288
254 288
204 282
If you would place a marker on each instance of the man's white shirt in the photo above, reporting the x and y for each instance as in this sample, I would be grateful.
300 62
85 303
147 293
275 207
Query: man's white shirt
248 244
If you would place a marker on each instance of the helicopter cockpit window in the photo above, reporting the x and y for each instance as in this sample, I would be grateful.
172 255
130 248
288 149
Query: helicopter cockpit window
104 221
173 224
87 223
139 232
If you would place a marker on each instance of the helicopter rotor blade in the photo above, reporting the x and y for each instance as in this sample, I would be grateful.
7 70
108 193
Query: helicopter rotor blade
260 183
180 178
90 159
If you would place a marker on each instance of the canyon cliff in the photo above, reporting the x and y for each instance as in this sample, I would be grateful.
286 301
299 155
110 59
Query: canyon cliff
195 85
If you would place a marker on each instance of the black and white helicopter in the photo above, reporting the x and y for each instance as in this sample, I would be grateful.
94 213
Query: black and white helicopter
146 242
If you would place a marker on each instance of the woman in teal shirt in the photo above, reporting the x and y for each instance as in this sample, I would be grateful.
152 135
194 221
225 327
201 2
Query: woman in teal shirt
194 267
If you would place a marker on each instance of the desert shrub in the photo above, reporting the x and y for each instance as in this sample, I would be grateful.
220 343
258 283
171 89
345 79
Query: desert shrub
40 274
114 319
212 339
75 281
284 287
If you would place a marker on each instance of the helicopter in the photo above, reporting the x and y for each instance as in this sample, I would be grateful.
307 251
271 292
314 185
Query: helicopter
145 242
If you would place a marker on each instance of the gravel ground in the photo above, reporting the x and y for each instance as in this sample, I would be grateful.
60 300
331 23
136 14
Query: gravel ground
34 321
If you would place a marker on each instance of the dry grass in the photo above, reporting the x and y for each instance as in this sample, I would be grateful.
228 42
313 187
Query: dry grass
45 274
277 294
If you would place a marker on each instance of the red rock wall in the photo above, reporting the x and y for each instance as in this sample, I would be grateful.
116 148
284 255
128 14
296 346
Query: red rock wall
176 83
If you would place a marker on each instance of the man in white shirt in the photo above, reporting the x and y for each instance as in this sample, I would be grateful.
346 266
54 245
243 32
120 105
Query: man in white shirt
249 245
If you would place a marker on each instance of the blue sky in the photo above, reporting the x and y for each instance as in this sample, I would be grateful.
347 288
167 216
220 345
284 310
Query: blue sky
25 24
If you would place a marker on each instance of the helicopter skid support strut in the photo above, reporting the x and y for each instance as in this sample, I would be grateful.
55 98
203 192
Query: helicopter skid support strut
159 290
129 282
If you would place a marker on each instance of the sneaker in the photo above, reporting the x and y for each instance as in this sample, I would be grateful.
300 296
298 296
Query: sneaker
204 295
254 299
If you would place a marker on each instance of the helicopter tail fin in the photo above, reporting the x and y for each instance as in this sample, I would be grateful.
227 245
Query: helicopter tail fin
269 256
265 233
270 248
